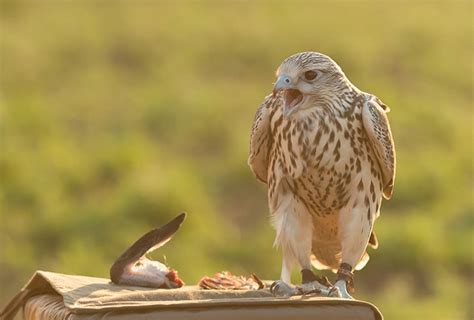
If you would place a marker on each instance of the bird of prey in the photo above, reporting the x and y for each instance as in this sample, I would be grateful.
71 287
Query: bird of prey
325 150
135 269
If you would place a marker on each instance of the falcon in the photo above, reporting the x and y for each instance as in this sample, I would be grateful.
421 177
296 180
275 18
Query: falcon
324 149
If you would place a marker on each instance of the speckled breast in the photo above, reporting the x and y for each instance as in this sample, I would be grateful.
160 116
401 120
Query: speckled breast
319 154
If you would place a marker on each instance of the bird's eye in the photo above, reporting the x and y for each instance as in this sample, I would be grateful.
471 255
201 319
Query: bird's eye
310 75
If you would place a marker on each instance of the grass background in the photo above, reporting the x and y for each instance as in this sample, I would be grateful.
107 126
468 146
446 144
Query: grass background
116 116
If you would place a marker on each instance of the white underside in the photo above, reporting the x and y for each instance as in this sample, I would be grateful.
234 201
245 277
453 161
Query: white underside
295 235
146 272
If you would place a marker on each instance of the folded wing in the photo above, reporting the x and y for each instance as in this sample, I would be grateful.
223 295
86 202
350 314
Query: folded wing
377 127
261 140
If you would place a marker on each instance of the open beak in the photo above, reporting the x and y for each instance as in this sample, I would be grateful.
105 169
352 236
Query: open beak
292 97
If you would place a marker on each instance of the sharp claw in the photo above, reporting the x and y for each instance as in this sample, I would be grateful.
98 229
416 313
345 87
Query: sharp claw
319 289
272 287
334 292
282 289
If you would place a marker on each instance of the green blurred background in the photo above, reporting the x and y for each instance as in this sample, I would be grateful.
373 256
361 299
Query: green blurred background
116 116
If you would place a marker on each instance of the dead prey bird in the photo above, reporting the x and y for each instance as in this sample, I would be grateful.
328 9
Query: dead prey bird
135 269
325 150
227 281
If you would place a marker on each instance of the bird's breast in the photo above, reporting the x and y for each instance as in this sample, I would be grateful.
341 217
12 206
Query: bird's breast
320 155
315 140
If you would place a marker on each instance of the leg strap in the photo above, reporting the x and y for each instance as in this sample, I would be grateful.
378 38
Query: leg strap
345 273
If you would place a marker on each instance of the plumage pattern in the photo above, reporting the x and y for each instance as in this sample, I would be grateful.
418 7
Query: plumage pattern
325 150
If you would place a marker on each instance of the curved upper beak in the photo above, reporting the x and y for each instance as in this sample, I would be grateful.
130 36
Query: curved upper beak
283 82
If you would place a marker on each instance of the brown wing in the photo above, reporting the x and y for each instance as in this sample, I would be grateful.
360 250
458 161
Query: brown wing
150 241
378 130
261 140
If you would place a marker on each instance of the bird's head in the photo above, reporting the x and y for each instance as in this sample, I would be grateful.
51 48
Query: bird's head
306 79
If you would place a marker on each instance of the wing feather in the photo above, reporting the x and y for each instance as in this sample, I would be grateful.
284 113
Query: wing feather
377 127
261 140
147 243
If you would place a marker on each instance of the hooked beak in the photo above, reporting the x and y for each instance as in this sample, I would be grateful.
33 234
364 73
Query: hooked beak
292 97
283 82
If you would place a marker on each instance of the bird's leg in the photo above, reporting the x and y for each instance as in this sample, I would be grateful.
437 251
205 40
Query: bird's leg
286 266
345 280
308 275
298 249
315 284
355 233
283 286
294 231
294 226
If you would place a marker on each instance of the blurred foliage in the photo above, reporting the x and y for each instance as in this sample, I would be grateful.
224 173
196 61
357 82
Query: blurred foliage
117 116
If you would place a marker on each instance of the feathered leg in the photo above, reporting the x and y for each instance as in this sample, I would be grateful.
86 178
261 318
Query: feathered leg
294 227
355 229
